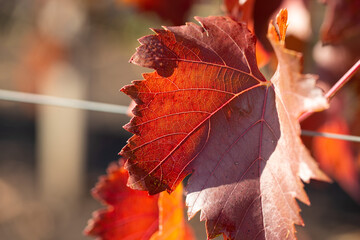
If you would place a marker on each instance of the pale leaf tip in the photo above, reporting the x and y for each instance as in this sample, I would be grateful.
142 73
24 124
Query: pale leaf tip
272 33
281 21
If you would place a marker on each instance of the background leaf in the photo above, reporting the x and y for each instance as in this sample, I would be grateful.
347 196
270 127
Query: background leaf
130 214
173 225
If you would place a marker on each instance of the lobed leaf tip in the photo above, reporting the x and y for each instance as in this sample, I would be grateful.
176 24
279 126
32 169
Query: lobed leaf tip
124 89
282 22
272 33
89 229
141 40
197 18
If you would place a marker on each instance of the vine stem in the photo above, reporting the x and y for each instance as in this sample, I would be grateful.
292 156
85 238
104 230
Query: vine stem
338 85
347 76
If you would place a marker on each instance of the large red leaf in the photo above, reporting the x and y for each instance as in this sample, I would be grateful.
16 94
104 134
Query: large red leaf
130 214
208 110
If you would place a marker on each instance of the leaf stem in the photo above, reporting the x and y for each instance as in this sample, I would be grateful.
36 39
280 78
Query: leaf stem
347 76
338 85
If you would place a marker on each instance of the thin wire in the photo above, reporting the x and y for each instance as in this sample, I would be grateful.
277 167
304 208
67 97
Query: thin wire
331 135
61 102
118 109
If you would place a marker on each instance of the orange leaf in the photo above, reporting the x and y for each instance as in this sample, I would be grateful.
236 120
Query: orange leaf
172 222
336 157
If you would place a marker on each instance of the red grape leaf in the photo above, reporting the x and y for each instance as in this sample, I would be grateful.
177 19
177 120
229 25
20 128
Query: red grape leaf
130 215
208 110
175 10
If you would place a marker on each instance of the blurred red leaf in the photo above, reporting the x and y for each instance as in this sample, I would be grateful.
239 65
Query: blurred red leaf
342 19
130 214
336 157
207 110
256 13
133 214
41 54
243 11
175 10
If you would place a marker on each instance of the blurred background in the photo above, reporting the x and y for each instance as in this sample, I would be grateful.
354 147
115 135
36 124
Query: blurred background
51 157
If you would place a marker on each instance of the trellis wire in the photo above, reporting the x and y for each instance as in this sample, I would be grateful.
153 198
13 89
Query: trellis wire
22 97
331 135
61 102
